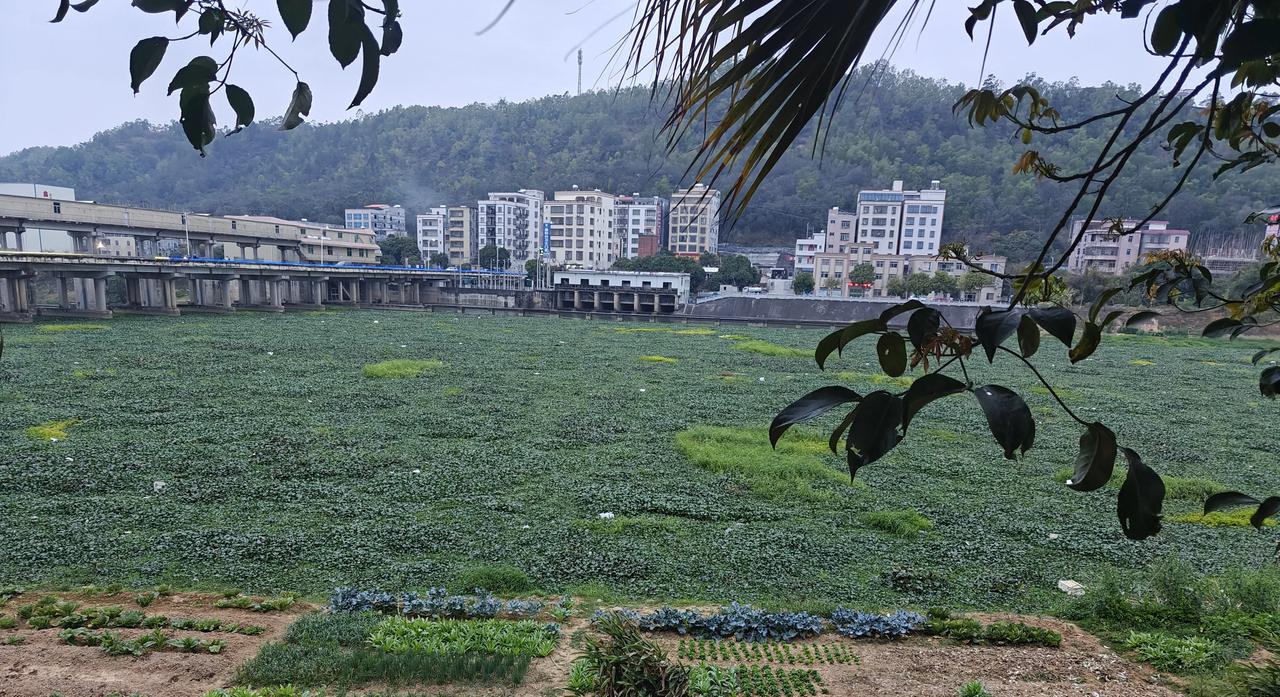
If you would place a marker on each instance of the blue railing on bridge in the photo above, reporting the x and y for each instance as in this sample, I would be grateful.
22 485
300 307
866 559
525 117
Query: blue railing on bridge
315 265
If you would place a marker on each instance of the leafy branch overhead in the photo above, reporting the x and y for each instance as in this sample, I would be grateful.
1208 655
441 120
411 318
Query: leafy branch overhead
350 37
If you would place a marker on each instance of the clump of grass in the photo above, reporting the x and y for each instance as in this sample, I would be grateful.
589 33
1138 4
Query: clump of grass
622 524
657 359
694 332
875 378
496 578
798 469
730 377
769 348
401 368
903 523
735 337
1141 361
1175 654
79 327
451 391
1221 519
51 430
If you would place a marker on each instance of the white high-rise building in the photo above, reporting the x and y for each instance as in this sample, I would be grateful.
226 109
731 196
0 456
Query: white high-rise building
695 221
511 221
583 233
385 221
433 233
643 221
898 221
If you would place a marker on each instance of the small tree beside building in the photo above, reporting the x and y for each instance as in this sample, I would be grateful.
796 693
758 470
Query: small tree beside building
802 284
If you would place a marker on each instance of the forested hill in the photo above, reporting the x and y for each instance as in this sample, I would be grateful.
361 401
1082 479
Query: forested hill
899 127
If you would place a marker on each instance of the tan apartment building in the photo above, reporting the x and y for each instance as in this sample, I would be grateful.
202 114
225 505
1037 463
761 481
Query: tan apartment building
1102 250
695 221
832 269
583 230
450 231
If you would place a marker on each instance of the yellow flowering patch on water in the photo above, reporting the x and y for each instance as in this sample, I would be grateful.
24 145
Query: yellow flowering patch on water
769 348
78 327
401 368
1221 519
657 359
694 332
51 430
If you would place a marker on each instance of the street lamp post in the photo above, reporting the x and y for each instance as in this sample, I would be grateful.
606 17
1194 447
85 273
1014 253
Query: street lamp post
186 230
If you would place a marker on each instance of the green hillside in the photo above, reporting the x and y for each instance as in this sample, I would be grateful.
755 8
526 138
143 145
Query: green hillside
896 125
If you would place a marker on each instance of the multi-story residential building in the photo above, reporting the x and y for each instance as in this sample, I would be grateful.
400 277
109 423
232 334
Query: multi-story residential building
511 221
991 292
583 230
643 221
900 221
806 248
1102 250
695 221
832 271
385 221
842 232
462 235
433 233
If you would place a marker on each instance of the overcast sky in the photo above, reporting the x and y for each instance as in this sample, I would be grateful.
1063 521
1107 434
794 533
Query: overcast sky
61 83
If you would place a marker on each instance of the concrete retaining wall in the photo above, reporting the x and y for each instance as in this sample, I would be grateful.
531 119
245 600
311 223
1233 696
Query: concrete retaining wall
810 310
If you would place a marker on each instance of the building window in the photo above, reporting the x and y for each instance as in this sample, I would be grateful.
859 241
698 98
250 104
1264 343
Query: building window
57 207
844 224
233 225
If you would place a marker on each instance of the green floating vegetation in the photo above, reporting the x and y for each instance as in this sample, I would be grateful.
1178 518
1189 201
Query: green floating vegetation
769 348
78 327
658 359
797 469
1221 519
401 635
451 391
875 378
903 523
497 578
1195 489
665 330
1141 361
401 368
51 430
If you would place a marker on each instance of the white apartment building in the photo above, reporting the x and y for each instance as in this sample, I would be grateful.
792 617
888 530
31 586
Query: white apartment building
1101 250
806 249
433 233
511 221
583 233
695 221
899 221
385 221
642 220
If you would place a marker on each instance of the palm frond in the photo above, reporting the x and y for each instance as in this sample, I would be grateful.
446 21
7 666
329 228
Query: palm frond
775 65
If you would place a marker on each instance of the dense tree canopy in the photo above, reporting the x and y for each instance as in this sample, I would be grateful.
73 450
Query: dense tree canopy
901 127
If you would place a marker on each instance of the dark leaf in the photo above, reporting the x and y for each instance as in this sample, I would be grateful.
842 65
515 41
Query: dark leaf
1009 418
197 118
212 22
84 6
1228 499
1263 354
816 403
144 59
1028 336
874 430
892 350
837 340
1166 32
900 308
1058 321
392 37
1027 18
996 326
346 30
200 71
61 14
1251 40
1269 382
369 71
1089 341
299 106
834 440
1096 460
158 6
1140 317
242 104
1269 507
925 390
1101 302
1220 327
296 15
923 325
1141 499
1111 317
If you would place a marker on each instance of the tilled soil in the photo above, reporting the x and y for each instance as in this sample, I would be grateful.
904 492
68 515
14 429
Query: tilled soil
924 667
